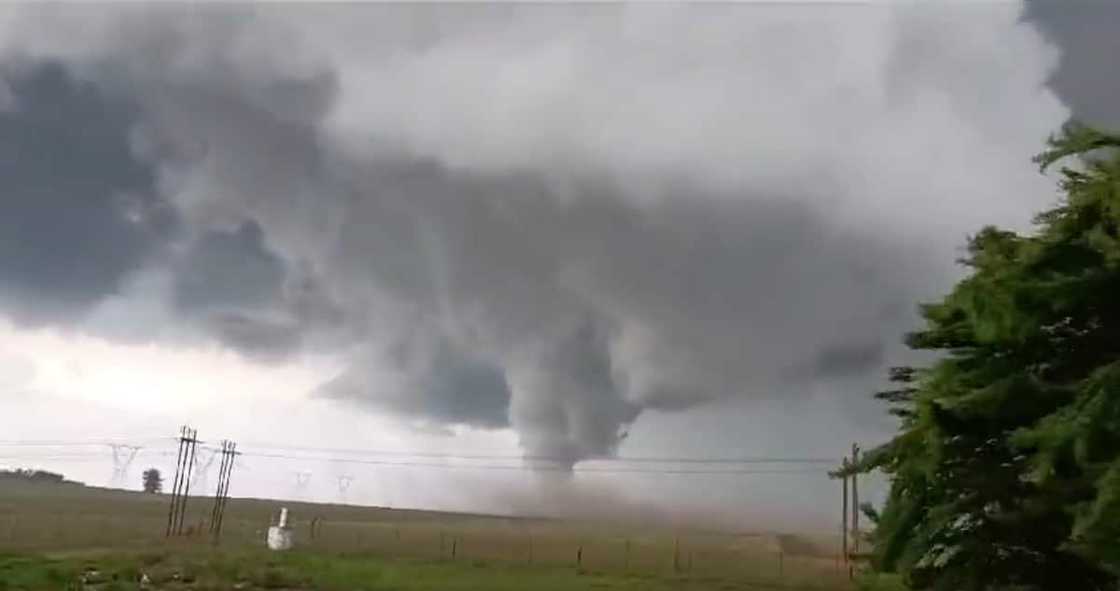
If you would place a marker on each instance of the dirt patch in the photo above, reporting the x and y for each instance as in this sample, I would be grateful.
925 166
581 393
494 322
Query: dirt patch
795 545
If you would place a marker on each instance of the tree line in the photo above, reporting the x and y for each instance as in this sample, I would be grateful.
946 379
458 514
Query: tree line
37 476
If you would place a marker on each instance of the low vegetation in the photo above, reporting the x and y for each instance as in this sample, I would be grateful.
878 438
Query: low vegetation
60 537
258 570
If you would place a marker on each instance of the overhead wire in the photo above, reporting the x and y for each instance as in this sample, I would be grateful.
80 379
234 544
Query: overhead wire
460 461
530 467
555 459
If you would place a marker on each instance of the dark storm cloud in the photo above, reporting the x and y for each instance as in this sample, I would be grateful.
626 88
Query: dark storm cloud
81 212
553 219
445 386
1087 33
225 269
224 281
77 211
260 338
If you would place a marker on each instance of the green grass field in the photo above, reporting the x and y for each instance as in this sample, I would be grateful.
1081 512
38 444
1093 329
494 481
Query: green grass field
52 535
210 570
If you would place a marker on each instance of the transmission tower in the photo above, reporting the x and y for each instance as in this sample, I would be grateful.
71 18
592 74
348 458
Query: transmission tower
303 480
344 482
202 474
123 455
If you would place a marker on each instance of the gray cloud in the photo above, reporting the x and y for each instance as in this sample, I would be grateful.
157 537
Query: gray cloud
229 283
557 218
78 210
440 384
223 269
849 359
261 339
1085 31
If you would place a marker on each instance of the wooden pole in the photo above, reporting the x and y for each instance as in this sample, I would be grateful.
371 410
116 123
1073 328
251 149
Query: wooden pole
855 501
224 497
844 514
676 554
218 488
188 469
175 484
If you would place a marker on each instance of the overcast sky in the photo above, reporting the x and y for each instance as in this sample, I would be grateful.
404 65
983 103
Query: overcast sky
561 231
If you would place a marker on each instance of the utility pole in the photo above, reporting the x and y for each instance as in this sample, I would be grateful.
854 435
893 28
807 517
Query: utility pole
221 495
192 444
222 467
844 513
180 490
855 500
175 483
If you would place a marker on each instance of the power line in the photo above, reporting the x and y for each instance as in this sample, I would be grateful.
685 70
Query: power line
100 458
536 463
410 464
78 442
530 468
556 459
75 455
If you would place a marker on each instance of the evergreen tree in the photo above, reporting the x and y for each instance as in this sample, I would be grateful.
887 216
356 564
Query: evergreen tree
153 481
1006 470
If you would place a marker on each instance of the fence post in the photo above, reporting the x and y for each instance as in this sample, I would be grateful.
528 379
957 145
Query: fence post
677 554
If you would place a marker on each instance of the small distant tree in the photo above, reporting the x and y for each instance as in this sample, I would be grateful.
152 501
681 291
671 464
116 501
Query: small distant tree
153 481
